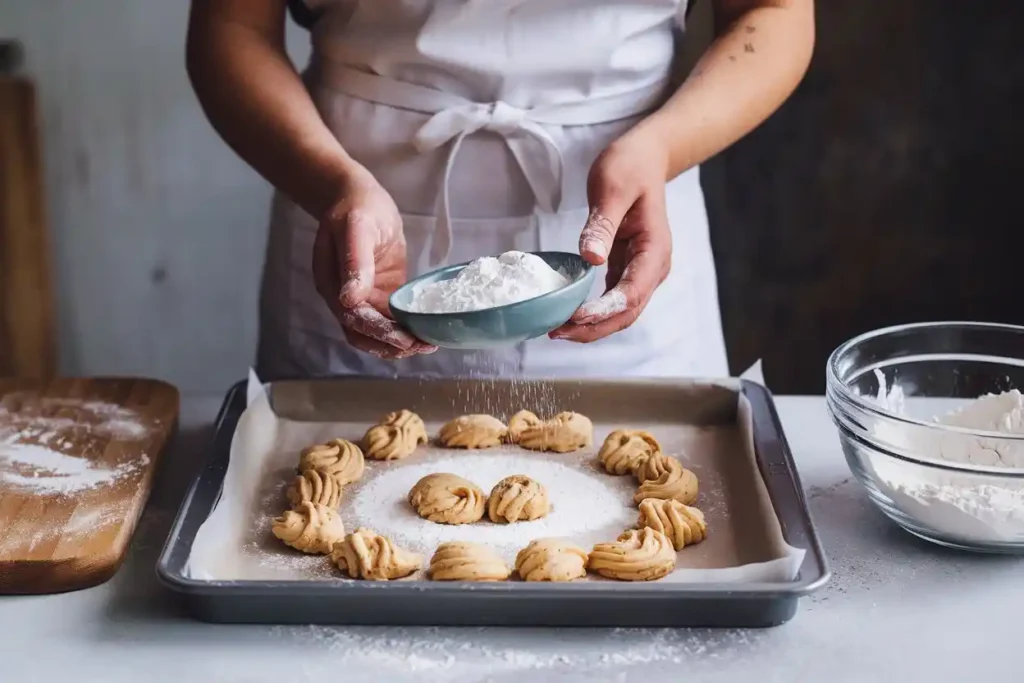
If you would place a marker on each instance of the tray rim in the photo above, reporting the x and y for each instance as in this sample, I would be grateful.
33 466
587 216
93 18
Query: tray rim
782 480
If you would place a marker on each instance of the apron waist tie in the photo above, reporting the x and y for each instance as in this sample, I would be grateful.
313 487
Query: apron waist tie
453 118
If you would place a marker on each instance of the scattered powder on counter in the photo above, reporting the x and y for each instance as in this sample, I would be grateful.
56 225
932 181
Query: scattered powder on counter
444 654
489 282
956 503
580 504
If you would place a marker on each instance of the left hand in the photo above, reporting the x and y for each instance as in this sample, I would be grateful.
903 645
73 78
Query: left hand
627 229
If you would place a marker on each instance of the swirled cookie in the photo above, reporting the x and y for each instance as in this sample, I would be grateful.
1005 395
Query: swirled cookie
674 481
366 554
447 499
396 437
681 524
462 561
637 555
517 498
314 486
310 527
563 433
626 449
519 423
551 559
473 431
337 457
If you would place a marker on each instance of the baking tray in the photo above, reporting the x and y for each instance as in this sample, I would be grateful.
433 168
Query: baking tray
511 603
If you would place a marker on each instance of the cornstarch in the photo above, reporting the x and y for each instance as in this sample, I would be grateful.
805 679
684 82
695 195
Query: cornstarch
956 503
489 282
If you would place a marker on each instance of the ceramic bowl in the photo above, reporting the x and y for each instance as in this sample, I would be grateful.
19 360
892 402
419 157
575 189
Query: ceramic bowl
502 325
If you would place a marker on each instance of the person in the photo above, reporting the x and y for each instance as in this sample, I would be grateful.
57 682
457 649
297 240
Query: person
432 132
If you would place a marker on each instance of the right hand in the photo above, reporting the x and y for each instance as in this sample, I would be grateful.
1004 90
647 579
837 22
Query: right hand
358 261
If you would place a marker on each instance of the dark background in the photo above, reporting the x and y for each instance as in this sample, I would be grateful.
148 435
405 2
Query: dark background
887 190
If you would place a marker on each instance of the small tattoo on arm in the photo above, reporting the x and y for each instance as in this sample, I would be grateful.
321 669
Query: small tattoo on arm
732 58
749 29
748 47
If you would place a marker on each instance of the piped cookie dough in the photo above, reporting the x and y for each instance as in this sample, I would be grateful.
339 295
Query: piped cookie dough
447 499
366 554
517 498
473 431
551 559
462 561
338 457
310 527
681 524
637 555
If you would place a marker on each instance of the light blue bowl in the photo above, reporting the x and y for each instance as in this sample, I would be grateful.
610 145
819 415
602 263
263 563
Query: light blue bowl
502 325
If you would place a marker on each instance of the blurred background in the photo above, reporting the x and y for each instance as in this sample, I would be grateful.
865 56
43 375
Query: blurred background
885 191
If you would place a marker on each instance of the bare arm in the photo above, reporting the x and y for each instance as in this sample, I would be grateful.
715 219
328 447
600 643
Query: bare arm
760 53
256 100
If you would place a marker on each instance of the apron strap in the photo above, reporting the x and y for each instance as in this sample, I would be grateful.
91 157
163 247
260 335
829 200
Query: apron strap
454 117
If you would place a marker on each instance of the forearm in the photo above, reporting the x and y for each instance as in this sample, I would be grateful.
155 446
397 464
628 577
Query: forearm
257 102
760 54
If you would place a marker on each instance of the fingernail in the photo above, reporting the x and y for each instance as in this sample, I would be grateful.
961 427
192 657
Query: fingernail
429 349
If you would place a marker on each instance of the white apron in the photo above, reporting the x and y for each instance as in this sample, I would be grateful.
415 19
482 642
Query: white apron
482 118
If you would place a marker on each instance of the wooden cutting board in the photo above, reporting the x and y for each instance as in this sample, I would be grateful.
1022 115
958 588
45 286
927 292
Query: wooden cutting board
77 459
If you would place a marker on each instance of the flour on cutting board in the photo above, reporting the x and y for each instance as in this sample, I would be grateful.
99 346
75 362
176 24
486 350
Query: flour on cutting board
37 436
952 502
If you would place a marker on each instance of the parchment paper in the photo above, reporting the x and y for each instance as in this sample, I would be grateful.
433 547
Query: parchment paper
744 542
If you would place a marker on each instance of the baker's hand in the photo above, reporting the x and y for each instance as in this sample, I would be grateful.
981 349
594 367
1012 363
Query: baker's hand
627 229
358 261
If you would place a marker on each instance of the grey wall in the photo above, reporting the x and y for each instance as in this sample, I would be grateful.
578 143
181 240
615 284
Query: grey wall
158 229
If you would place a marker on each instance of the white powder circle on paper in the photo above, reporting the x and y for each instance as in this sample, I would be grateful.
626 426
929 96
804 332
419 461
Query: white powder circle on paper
489 282
580 503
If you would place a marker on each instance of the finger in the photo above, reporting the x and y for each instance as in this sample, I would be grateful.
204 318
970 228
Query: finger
356 258
609 202
325 267
381 350
641 276
368 321
589 333
373 347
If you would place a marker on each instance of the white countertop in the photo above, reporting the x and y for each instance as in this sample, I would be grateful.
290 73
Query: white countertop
897 608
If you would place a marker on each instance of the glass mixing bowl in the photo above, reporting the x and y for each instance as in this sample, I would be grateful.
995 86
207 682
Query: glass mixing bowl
957 486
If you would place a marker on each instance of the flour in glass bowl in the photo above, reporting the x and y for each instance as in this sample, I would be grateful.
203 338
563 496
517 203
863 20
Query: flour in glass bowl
489 282
956 503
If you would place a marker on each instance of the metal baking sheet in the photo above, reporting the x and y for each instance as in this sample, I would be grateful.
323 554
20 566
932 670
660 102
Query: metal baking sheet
721 408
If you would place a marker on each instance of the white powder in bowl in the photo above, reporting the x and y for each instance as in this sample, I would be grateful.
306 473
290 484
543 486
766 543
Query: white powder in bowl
978 508
489 282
